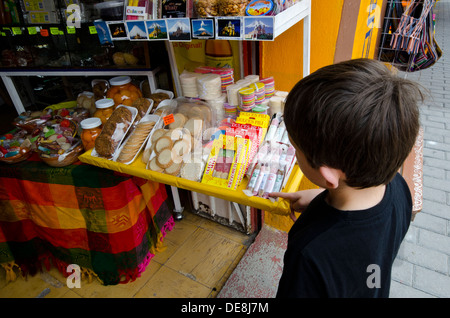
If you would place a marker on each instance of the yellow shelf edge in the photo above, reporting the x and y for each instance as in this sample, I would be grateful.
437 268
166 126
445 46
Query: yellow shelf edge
137 169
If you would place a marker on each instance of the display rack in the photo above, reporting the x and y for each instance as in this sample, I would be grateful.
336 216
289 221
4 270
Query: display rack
9 84
137 168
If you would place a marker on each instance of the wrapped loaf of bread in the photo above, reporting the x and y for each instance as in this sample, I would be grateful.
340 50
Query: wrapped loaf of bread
158 98
113 132
142 105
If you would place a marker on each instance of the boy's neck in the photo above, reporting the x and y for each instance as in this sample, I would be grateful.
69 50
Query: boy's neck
346 198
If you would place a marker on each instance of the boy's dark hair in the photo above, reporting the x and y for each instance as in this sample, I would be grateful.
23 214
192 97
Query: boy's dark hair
357 116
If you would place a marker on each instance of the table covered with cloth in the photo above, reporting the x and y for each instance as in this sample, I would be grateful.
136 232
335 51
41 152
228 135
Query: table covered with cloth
107 223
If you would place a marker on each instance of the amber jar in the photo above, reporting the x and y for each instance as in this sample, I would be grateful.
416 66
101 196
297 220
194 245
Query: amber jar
104 109
122 91
92 127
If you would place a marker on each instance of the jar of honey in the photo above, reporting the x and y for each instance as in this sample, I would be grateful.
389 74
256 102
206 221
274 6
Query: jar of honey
122 91
92 127
104 109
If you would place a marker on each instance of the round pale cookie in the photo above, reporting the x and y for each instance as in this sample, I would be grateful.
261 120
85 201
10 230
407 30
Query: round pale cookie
164 158
195 111
153 166
194 125
184 108
174 169
158 133
206 110
179 121
180 149
163 143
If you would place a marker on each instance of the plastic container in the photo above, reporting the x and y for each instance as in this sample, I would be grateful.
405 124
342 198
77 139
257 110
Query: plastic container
260 7
232 7
122 91
206 8
92 127
104 109
110 10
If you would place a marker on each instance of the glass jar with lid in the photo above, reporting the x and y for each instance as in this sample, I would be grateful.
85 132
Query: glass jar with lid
104 109
123 91
92 127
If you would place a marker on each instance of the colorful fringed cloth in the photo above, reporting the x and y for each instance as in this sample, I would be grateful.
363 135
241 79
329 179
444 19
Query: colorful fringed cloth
107 223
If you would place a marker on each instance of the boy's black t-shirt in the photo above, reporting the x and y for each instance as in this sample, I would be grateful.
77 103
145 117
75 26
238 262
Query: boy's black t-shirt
333 253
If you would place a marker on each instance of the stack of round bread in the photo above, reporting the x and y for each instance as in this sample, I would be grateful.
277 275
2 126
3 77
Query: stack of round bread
170 146
209 86
188 81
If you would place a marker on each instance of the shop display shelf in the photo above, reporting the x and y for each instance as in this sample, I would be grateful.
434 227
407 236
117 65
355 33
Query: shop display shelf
137 168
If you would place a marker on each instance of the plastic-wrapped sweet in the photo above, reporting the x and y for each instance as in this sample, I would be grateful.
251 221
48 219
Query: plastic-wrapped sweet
232 7
206 8
15 146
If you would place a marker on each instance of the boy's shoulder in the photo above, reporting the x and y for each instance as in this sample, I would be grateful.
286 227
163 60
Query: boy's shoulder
320 222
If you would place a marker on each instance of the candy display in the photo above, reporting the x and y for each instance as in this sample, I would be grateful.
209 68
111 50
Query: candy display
227 162
247 99
29 120
15 146
271 166
56 143
269 86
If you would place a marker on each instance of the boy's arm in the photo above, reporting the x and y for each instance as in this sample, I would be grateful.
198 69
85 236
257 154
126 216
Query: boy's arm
298 200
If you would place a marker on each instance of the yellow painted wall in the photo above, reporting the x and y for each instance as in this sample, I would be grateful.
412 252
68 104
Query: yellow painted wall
369 23
283 58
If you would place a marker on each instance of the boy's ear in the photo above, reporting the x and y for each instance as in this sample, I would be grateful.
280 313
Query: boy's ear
332 176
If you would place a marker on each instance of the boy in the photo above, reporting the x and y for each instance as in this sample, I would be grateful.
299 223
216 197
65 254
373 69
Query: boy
353 124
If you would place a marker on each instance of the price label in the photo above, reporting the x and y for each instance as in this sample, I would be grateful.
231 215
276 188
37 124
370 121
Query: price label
54 31
16 31
92 29
32 30
44 32
71 30
168 119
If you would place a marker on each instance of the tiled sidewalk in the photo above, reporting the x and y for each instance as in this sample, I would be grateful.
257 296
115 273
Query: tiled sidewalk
422 267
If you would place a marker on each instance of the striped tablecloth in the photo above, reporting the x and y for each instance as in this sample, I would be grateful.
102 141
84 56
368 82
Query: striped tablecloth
109 224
